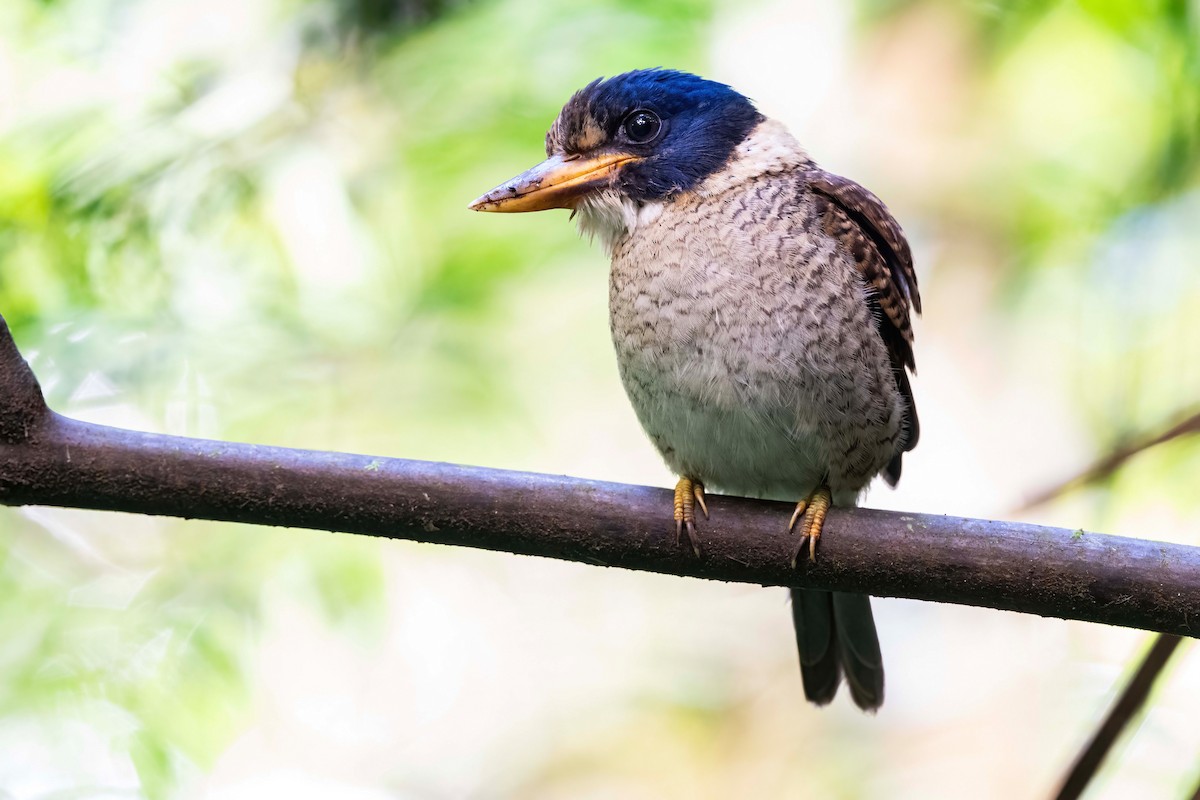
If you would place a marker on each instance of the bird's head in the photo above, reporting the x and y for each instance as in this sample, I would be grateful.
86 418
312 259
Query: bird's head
620 142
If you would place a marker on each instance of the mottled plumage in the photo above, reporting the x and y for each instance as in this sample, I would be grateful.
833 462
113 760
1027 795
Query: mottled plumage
759 307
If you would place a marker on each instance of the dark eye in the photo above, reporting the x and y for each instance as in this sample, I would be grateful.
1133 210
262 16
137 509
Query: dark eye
642 126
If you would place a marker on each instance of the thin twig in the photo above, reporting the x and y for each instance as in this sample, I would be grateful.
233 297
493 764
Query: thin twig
1107 466
1124 710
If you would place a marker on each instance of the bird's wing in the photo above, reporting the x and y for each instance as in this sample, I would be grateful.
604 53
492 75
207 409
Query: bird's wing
860 220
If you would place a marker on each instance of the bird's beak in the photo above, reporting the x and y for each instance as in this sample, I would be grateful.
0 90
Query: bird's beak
557 182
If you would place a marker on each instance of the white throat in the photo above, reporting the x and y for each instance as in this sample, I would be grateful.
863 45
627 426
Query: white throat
609 215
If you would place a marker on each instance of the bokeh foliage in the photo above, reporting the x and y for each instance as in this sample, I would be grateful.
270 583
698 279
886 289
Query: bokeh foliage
167 210
236 219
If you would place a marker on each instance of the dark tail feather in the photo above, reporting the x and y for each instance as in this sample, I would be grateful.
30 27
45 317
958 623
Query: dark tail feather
836 632
812 616
858 648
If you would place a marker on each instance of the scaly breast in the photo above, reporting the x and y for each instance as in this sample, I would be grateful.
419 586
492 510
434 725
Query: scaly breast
736 342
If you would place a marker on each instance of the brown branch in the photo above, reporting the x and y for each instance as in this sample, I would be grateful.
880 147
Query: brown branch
46 459
1107 466
1127 705
22 407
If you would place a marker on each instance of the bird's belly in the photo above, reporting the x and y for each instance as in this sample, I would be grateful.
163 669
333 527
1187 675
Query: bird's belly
760 437
745 449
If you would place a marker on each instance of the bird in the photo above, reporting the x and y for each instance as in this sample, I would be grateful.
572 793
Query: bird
761 313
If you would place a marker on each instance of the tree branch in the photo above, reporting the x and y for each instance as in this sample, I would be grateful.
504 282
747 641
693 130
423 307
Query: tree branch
48 459
22 407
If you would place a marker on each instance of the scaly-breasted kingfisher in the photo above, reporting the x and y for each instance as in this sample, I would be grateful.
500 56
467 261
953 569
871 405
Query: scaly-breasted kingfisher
760 310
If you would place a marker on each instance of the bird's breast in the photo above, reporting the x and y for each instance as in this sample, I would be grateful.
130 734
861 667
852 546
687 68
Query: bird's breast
712 300
740 335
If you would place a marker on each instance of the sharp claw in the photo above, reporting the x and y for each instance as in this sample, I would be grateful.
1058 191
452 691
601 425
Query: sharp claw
799 549
812 549
800 507
698 492
678 531
693 540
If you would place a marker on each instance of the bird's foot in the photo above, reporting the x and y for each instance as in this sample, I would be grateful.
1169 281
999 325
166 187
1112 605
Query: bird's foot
811 513
688 493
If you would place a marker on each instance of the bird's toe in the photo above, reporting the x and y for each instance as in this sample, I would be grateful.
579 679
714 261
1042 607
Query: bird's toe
811 513
688 493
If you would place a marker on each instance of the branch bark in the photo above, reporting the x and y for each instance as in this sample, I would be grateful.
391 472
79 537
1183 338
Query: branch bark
47 459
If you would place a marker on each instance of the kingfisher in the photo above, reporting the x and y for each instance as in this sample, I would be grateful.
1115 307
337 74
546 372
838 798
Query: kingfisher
760 308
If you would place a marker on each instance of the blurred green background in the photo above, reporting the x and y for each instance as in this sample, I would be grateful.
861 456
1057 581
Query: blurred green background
247 220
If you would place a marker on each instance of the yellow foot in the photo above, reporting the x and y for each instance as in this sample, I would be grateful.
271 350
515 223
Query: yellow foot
813 509
688 493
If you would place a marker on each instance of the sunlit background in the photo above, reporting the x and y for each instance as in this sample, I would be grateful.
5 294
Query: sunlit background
246 219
